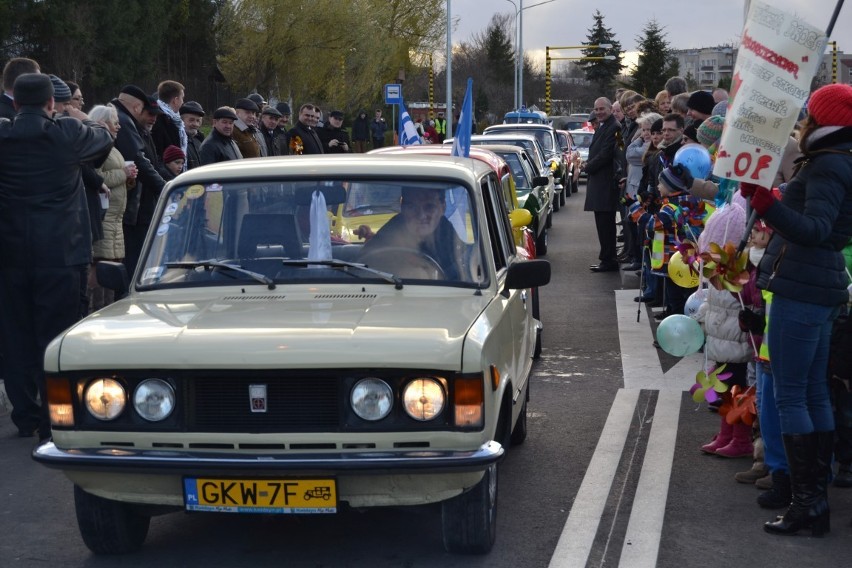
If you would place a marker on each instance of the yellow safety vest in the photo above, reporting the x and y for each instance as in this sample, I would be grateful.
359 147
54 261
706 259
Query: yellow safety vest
763 353
441 125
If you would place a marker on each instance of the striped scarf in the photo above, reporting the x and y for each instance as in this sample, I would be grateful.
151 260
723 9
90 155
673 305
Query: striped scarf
178 122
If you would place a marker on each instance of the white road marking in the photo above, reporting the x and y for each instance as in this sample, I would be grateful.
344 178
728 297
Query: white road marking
642 370
578 534
644 530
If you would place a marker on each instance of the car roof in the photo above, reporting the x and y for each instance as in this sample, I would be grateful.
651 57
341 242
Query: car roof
518 126
480 153
339 166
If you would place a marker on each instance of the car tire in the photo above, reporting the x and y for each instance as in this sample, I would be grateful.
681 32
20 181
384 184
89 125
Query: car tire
575 186
536 312
555 202
109 527
519 432
469 520
541 243
565 189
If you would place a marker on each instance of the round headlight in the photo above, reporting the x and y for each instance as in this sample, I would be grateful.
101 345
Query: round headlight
154 400
423 399
105 398
371 399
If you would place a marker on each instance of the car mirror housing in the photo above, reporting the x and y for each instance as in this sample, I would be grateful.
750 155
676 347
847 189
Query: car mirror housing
528 274
113 276
520 218
540 180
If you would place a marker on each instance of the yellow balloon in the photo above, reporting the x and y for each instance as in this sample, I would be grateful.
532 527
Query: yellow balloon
680 273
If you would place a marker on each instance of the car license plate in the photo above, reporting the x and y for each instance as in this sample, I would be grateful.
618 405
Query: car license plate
279 496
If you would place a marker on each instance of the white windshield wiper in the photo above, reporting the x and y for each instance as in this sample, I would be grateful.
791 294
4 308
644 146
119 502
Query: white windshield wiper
210 264
386 276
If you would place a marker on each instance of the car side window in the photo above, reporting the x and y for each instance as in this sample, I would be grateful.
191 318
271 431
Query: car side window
500 232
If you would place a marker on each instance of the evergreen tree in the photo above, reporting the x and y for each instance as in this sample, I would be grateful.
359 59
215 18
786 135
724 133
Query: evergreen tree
498 50
602 72
656 61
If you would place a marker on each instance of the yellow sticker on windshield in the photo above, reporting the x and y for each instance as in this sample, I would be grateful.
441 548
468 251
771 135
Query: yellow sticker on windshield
194 191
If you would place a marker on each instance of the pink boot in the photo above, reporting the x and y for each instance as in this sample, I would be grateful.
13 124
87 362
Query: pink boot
720 440
740 445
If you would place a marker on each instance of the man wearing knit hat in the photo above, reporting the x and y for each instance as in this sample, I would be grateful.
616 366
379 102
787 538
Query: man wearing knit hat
61 94
45 238
699 106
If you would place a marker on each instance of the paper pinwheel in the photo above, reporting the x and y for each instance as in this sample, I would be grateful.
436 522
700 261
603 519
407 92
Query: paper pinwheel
707 385
724 268
742 407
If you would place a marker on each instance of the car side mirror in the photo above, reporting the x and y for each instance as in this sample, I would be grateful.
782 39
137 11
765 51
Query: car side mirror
540 180
527 274
113 276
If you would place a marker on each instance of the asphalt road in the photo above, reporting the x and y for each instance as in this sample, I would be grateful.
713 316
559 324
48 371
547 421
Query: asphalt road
610 474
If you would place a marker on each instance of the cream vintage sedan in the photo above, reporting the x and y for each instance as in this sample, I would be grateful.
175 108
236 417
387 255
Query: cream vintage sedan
259 363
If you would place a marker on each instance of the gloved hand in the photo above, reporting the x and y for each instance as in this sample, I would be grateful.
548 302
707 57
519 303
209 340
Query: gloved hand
684 174
627 201
752 321
748 189
762 200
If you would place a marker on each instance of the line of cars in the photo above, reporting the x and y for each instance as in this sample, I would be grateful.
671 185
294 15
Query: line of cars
306 334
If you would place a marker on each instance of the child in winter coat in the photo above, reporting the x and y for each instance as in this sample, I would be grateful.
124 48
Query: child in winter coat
727 344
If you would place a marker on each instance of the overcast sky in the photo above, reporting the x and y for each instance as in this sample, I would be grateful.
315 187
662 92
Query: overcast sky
687 23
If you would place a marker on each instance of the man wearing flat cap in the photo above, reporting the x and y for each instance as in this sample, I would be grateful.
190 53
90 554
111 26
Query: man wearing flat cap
335 140
219 146
273 134
131 105
45 239
284 109
245 129
192 116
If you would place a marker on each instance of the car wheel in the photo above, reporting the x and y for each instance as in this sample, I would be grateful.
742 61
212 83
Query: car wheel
469 520
565 189
109 527
575 186
535 313
555 202
519 432
541 243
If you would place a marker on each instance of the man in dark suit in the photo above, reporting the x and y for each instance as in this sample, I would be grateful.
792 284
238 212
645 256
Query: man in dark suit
45 238
603 169
12 70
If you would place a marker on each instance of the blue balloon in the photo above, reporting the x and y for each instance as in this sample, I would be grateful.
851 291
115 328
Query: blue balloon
696 159
680 335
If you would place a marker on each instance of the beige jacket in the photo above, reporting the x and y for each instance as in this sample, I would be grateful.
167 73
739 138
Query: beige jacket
111 247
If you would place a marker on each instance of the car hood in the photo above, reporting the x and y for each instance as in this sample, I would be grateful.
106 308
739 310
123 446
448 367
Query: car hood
273 331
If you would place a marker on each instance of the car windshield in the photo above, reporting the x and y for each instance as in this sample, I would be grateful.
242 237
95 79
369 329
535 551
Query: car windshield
582 139
520 173
527 144
271 232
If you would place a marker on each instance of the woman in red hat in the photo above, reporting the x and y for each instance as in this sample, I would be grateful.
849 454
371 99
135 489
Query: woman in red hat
804 269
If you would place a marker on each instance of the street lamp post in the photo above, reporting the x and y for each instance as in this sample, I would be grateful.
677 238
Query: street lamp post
519 48
548 59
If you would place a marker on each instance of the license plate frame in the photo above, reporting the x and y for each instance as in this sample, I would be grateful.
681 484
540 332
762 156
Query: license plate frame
277 496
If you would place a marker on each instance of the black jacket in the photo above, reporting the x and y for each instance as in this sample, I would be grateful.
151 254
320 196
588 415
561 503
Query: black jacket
129 142
602 168
812 222
164 133
193 150
7 107
328 134
361 128
218 148
44 220
275 141
311 144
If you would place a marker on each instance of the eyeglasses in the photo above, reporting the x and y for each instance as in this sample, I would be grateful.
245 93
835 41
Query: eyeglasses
77 98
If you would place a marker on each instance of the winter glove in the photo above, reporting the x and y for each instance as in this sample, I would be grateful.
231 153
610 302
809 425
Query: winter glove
748 189
751 321
762 200
684 174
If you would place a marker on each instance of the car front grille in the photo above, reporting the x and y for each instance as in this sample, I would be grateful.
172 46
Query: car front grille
293 404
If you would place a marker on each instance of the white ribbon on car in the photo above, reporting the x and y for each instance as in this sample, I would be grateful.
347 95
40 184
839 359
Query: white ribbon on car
320 238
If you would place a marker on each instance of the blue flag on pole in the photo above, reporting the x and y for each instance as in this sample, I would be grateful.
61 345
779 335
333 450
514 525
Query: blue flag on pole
461 142
407 132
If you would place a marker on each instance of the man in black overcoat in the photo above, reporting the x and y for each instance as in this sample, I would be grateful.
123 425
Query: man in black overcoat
45 239
602 190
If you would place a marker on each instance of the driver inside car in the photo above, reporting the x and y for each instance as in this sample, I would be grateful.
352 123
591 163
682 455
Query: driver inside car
419 229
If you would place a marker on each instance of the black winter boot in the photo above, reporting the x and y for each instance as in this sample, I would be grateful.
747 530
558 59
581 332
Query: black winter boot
809 506
779 496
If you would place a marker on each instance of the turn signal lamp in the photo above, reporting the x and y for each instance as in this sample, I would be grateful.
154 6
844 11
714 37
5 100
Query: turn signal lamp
468 398
59 402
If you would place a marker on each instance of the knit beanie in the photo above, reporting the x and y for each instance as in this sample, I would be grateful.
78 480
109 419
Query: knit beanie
702 101
831 105
61 92
710 131
172 153
726 225
671 181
